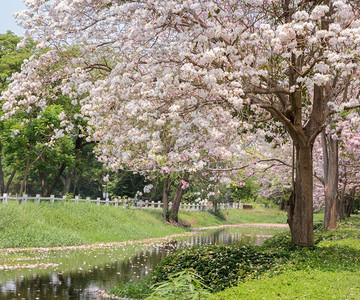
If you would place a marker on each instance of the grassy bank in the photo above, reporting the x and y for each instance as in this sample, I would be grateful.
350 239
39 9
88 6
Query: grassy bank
67 223
329 270
62 224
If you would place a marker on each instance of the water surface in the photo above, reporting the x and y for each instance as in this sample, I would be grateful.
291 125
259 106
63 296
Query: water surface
83 273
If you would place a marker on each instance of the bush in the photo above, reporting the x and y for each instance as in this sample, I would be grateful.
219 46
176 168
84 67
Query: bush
183 285
136 290
219 266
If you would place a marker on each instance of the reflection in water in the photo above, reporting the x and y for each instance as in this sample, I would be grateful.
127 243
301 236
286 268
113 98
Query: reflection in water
75 283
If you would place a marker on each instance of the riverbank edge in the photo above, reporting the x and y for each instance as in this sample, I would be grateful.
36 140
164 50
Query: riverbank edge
142 241
242 225
75 224
312 272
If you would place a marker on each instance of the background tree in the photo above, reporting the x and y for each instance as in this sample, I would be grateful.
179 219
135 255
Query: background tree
11 59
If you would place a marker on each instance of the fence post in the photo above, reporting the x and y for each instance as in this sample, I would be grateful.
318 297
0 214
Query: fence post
98 201
25 198
88 199
146 204
159 205
52 199
124 203
64 197
107 201
76 199
5 198
116 202
152 204
37 200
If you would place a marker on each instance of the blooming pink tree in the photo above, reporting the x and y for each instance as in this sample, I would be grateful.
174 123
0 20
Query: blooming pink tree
152 142
337 168
294 62
349 167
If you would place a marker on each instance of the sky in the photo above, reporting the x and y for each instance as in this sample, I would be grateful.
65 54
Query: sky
7 20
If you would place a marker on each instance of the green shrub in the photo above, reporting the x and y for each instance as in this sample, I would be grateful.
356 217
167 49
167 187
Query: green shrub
219 266
182 285
136 290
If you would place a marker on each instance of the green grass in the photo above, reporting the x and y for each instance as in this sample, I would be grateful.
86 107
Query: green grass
235 216
311 284
60 224
328 270
67 223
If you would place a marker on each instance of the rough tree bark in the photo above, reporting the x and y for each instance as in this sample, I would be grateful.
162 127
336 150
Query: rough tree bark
300 206
174 214
331 179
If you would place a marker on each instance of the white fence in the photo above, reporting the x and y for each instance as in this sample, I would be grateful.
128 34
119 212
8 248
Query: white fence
125 203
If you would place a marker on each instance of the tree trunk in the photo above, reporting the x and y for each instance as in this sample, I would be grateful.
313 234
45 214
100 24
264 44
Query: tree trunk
76 181
300 205
71 175
340 215
217 198
331 179
349 201
10 181
165 197
341 208
22 186
174 215
56 179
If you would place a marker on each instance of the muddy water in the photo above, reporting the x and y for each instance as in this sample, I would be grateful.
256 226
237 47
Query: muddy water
84 273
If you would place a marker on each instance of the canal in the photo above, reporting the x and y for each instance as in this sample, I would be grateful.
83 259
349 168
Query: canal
85 272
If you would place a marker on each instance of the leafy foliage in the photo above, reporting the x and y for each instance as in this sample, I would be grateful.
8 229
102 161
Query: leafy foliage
219 266
331 267
247 190
11 57
185 285
136 290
